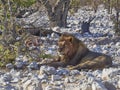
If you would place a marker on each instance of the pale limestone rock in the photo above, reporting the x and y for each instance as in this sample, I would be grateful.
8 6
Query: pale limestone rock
55 77
98 86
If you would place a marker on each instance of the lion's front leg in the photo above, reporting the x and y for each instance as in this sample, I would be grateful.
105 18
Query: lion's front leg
55 64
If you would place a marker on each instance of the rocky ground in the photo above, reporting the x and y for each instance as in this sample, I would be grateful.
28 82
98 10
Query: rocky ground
101 40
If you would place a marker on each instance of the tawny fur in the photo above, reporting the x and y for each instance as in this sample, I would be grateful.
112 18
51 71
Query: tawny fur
74 53
32 41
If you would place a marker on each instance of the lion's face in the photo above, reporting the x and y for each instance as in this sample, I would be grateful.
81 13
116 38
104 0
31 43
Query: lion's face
32 41
66 45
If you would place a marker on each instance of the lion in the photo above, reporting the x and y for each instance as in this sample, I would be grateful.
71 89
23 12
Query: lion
74 53
32 41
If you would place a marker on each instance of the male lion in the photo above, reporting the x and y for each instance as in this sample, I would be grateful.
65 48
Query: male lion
74 53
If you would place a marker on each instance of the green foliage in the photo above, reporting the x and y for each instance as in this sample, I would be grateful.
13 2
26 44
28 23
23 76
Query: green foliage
75 3
45 56
74 6
24 3
6 56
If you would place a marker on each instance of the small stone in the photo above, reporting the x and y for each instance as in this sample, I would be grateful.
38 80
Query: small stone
19 64
98 86
118 44
118 84
105 51
16 74
47 70
43 76
109 73
57 29
49 88
74 72
55 77
62 71
26 84
9 87
109 85
36 85
91 79
33 65
15 80
54 35
7 77
72 79
67 80
9 66
44 81
86 86
53 88
18 38
24 79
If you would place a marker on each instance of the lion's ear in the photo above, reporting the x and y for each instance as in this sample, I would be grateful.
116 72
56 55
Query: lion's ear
70 39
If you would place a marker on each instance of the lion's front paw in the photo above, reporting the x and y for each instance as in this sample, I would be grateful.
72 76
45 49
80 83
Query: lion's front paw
70 67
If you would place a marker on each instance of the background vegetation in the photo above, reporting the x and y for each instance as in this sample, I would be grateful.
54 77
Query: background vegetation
10 46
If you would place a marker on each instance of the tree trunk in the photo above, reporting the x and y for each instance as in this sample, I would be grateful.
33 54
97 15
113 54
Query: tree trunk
57 11
117 24
109 7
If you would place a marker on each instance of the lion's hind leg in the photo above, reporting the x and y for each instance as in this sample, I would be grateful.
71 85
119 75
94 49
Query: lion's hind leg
85 65
97 63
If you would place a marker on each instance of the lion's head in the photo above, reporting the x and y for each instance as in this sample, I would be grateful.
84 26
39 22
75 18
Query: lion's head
32 41
68 45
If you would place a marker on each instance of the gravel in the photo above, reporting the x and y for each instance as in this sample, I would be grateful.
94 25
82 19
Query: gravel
49 78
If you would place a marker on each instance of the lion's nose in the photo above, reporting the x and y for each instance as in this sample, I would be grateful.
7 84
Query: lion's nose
60 49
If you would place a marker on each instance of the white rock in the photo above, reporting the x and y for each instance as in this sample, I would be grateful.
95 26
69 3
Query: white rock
119 84
57 29
43 76
72 79
9 66
16 74
118 52
105 51
19 64
62 71
98 86
86 86
97 73
15 80
48 70
7 77
36 85
9 87
67 80
32 84
54 35
49 88
24 79
53 88
91 79
26 84
110 73
18 38
33 65
49 52
74 72
55 77
118 44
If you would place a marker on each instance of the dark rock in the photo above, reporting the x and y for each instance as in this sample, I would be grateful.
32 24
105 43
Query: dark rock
109 85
